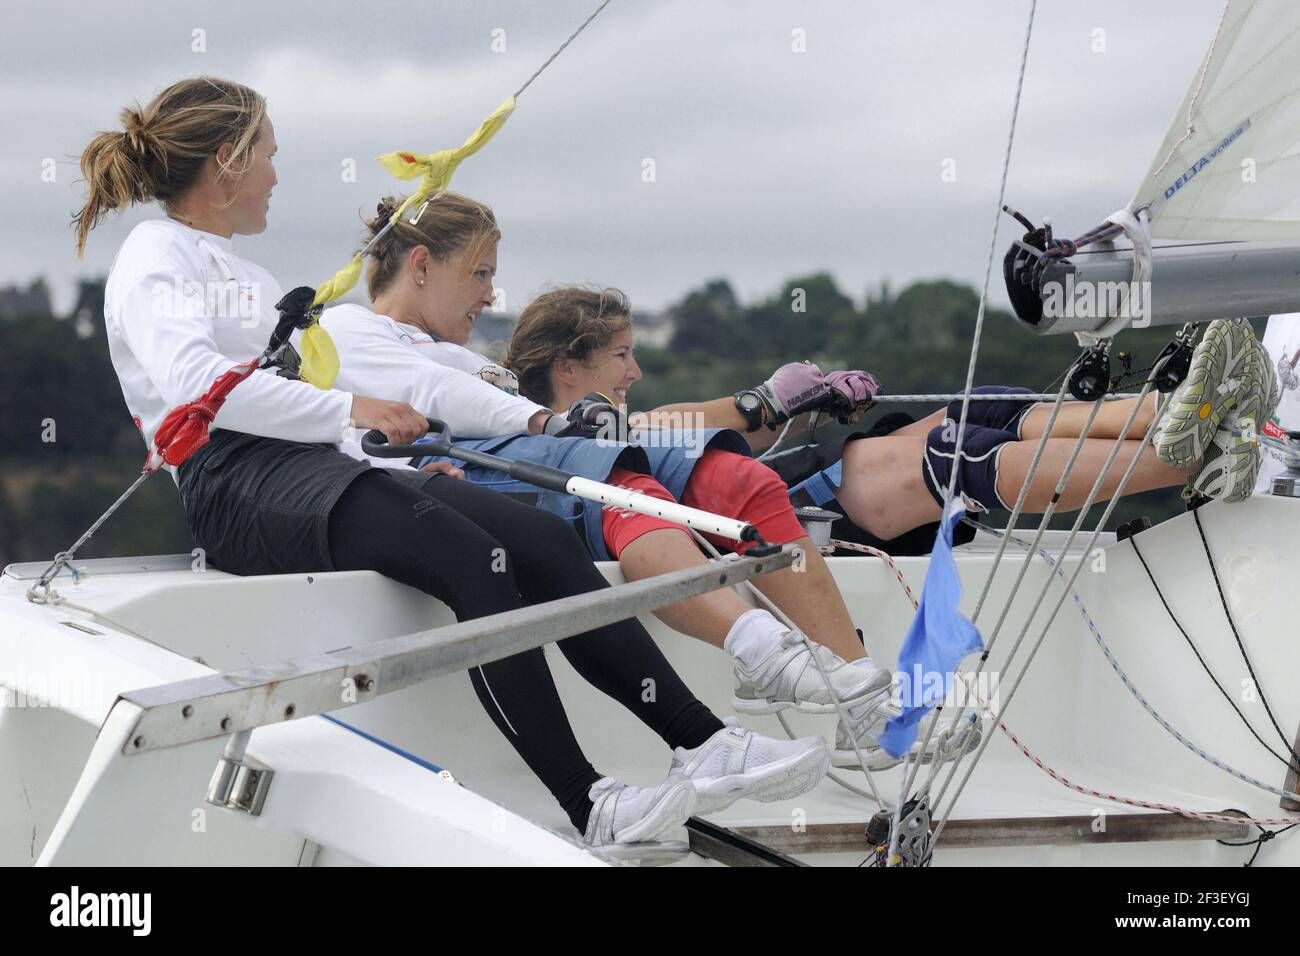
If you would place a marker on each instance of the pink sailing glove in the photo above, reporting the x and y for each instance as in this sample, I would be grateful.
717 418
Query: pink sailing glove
793 389
854 391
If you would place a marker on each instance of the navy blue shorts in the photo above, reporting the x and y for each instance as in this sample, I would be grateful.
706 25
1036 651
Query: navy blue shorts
989 427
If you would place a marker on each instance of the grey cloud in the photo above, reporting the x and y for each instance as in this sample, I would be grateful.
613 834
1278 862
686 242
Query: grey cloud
769 163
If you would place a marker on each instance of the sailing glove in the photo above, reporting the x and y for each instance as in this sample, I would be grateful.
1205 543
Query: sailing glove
592 417
800 387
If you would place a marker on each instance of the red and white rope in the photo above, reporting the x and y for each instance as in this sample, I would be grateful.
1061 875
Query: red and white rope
1038 761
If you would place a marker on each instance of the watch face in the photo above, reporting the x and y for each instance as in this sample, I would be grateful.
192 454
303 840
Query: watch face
751 407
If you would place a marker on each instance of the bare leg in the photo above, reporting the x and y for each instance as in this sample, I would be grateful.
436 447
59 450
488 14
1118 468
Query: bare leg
1070 421
708 617
808 596
921 427
884 494
1013 466
811 599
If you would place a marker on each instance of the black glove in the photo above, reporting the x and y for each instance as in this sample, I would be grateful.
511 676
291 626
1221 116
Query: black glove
593 417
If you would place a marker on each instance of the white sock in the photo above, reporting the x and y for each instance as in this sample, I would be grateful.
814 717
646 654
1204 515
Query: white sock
867 664
753 636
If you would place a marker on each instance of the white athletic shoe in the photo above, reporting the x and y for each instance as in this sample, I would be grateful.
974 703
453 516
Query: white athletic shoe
944 744
736 763
789 677
622 814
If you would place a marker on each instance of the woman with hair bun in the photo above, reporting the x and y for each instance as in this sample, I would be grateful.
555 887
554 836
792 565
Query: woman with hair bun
271 494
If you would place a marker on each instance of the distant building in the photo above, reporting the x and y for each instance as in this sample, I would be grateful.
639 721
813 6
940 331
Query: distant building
89 310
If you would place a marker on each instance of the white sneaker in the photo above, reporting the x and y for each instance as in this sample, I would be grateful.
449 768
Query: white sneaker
944 744
623 814
788 677
736 763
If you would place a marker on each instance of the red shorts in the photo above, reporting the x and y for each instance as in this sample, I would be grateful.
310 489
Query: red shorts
723 482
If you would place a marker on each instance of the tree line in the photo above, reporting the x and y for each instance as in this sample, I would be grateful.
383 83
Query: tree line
68 446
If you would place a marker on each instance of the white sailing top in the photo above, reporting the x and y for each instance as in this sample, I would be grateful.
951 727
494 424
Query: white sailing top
180 309
388 359
1282 341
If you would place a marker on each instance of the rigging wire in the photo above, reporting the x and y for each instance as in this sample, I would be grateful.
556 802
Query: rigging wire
1083 511
1204 666
842 711
1232 624
1227 816
911 766
1141 698
1020 577
572 36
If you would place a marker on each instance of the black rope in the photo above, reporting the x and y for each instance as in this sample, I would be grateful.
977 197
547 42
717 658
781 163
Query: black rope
1206 667
1259 841
1242 647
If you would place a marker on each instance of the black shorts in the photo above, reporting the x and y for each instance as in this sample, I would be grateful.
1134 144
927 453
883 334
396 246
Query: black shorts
262 505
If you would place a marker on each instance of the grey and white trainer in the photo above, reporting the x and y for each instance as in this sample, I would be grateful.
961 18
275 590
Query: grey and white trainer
789 678
736 763
1222 367
1231 463
622 814
944 744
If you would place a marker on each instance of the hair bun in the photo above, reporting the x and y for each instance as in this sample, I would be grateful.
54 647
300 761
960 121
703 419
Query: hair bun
134 132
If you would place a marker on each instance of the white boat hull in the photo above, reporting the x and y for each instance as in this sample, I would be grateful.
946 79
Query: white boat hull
73 797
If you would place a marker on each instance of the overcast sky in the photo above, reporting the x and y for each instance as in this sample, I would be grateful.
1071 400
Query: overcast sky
769 162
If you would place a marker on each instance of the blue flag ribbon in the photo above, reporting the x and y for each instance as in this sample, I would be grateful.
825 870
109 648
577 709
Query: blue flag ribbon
940 636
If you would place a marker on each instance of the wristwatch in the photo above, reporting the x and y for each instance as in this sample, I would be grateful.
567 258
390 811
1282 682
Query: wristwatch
751 408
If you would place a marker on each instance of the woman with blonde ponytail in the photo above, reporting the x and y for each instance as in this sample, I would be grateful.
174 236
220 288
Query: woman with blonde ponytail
271 494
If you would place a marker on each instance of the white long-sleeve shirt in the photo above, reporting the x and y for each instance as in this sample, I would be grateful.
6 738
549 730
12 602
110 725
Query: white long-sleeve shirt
386 359
180 309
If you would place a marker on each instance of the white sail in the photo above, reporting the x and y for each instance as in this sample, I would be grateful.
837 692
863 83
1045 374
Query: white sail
1229 166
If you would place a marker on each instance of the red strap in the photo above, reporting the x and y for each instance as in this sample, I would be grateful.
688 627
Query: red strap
185 429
